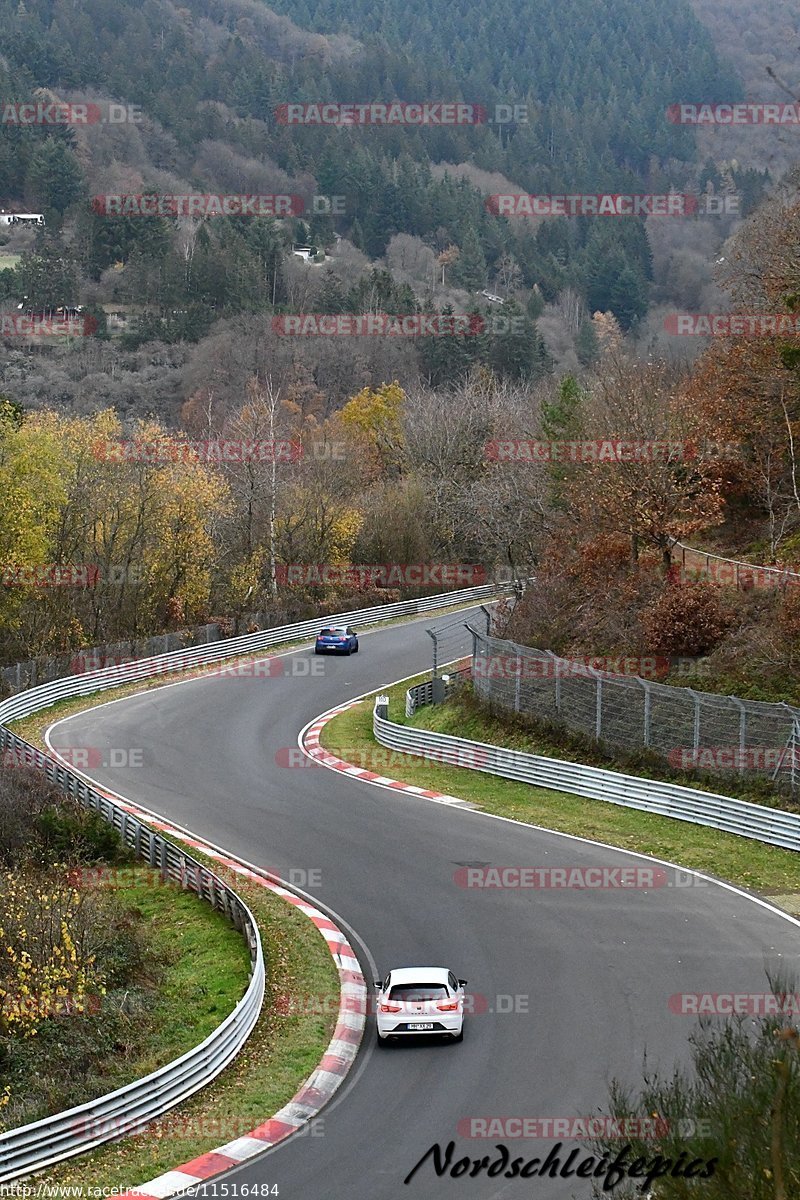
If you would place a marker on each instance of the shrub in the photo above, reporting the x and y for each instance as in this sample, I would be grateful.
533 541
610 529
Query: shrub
686 620
40 824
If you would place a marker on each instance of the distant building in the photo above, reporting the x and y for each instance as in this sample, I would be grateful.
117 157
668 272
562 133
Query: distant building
7 218
490 296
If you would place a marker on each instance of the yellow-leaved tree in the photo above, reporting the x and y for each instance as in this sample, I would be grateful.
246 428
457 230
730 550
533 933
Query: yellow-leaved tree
373 420
32 492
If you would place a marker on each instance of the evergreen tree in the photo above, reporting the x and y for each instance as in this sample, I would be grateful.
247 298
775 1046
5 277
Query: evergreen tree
470 270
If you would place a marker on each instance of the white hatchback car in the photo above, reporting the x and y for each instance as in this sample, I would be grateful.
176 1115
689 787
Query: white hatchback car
420 1000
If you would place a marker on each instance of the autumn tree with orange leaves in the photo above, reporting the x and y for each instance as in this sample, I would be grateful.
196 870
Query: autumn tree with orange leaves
746 390
661 490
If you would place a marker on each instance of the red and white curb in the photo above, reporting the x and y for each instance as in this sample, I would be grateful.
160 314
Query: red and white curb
320 1085
311 745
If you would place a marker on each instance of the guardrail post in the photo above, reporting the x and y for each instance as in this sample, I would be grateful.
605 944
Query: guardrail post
434 666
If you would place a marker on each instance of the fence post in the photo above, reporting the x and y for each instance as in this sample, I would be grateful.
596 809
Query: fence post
647 714
488 616
474 633
598 715
557 676
696 702
742 730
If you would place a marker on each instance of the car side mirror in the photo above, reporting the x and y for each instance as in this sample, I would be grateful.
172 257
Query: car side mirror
462 983
378 984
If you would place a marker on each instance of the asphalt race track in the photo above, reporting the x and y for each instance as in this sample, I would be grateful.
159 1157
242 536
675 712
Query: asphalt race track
589 972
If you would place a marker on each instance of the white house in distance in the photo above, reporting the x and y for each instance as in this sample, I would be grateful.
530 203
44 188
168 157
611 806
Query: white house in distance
7 218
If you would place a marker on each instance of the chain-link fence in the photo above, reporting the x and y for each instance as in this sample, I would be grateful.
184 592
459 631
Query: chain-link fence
721 735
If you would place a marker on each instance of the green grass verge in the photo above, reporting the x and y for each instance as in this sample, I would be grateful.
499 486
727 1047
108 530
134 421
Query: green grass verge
208 973
765 869
284 1048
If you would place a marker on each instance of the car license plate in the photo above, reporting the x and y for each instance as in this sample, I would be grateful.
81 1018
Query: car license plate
423 1024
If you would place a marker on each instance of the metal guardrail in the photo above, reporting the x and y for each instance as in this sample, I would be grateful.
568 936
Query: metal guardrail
52 1139
42 1143
22 704
725 813
423 692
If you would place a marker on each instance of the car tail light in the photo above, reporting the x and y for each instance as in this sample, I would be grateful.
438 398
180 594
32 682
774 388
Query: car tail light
391 1008
448 1007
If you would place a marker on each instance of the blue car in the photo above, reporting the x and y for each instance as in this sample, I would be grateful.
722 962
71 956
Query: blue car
336 639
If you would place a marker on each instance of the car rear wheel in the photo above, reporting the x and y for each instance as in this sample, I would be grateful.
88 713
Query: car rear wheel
355 648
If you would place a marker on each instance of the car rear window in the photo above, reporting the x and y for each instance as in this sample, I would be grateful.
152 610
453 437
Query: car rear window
331 630
417 992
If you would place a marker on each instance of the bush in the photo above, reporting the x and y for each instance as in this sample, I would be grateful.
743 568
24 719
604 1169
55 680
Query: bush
40 824
739 1105
686 620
